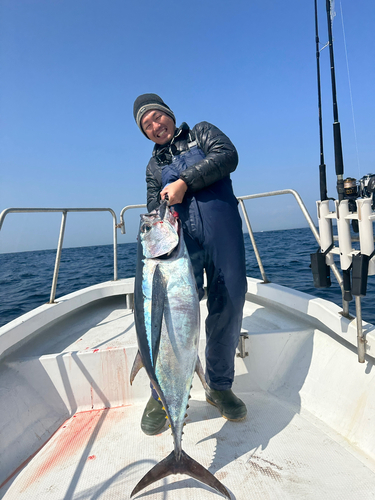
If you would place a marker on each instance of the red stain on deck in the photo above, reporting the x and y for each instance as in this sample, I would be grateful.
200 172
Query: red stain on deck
126 378
55 454
91 457
68 441
95 350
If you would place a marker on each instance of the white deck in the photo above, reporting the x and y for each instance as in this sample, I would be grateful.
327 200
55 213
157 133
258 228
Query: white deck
66 405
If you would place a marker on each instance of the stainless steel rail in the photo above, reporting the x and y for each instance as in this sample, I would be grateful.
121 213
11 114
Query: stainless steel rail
122 220
241 200
298 199
310 222
64 212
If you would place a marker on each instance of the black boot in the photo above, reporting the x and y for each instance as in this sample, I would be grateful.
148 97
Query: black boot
153 418
229 405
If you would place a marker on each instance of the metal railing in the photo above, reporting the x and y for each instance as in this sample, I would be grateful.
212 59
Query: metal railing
122 220
64 212
121 226
241 200
311 224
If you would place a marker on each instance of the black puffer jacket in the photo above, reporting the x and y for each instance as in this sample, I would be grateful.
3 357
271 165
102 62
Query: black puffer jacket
221 159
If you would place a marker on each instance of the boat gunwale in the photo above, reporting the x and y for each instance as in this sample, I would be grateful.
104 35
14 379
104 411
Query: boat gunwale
322 313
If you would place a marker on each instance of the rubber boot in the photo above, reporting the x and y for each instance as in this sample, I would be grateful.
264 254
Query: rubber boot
154 417
229 405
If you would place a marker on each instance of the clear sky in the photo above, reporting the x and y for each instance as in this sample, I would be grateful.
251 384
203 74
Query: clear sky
71 69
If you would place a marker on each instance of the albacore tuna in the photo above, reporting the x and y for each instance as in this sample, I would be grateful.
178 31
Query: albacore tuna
166 309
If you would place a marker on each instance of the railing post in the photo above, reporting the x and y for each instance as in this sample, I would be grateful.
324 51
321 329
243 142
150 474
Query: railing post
58 258
122 220
114 246
251 234
361 340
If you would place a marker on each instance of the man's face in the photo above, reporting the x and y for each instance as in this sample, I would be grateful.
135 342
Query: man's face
158 126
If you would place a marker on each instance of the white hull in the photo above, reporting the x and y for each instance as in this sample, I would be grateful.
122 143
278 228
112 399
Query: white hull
70 421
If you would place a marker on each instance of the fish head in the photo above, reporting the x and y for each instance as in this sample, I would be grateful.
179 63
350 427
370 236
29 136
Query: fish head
159 232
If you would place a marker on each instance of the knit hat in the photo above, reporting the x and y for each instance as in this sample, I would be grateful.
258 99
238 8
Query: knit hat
146 102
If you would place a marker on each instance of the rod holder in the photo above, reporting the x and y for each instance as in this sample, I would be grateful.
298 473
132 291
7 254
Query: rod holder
366 234
343 230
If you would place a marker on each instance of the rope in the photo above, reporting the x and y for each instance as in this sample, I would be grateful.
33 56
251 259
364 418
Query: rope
332 9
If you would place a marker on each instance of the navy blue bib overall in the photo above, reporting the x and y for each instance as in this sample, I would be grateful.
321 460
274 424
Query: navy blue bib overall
213 235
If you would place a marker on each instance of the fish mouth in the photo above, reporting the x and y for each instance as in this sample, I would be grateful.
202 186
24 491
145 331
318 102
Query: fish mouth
161 210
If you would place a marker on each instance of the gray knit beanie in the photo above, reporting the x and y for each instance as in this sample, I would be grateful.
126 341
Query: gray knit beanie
146 102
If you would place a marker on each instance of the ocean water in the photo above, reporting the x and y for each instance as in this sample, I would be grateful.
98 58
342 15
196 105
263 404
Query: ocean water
26 277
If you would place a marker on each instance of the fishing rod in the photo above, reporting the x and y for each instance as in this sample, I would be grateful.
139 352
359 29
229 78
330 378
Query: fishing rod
357 264
322 166
339 162
319 266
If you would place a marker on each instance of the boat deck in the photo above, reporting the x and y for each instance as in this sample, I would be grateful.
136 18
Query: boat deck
285 449
275 454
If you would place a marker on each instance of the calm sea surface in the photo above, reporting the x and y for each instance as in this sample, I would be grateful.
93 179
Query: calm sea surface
26 277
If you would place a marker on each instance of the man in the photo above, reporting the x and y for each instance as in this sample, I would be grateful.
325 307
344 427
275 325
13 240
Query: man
192 168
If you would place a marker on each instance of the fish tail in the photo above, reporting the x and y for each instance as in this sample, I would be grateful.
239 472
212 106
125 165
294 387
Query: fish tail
183 465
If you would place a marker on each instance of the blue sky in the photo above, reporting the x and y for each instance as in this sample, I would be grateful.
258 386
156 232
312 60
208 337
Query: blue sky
71 69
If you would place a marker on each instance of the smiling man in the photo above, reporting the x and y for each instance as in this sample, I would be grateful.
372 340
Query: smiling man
158 126
192 167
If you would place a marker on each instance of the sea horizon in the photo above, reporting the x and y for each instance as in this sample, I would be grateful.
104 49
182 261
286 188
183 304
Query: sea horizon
26 277
135 240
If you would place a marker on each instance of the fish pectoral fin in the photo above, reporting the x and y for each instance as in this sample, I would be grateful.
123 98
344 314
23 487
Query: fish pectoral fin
137 365
183 465
199 371
157 311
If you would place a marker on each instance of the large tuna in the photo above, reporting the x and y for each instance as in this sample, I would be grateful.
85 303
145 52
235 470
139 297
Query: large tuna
166 309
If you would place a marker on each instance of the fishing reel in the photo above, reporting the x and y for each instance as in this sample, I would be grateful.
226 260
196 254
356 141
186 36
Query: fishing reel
364 188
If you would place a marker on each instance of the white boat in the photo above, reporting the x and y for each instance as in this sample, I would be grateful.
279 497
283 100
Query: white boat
70 421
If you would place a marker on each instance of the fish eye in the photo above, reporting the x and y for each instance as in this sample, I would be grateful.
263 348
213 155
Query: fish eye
146 227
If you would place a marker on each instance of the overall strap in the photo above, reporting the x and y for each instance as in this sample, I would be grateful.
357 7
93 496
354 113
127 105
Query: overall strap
192 141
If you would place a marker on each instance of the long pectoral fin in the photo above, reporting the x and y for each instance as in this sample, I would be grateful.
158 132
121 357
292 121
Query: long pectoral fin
157 312
200 373
137 365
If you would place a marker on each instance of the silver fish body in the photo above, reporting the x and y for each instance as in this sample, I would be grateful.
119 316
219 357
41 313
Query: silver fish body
166 309
170 315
